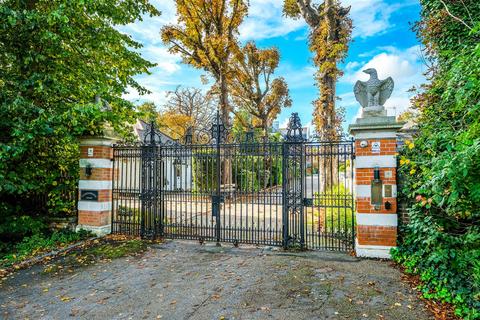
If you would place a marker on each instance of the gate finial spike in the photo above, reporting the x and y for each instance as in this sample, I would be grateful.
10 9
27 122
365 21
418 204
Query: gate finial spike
218 130
294 129
150 133
189 135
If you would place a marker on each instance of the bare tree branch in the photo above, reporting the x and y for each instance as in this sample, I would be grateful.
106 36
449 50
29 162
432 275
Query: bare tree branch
310 15
455 17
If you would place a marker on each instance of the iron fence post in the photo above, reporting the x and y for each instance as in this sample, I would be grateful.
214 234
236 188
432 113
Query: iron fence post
301 196
160 199
217 131
285 231
293 181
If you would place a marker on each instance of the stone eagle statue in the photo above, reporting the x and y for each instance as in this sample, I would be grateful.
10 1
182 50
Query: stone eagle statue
373 93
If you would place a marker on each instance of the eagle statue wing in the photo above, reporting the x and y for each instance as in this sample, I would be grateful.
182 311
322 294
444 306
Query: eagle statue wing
360 90
385 91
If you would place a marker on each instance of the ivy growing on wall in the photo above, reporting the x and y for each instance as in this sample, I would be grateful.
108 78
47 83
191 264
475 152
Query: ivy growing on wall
441 166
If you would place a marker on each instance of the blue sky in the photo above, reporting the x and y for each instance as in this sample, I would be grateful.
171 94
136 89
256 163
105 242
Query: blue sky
382 38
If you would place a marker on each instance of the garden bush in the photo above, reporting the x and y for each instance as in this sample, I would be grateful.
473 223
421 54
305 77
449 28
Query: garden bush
440 168
60 71
335 200
38 243
249 172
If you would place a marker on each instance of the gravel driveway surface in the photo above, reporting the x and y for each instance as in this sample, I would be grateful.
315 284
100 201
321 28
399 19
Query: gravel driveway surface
186 280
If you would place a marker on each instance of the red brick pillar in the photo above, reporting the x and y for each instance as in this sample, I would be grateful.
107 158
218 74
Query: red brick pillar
375 185
95 185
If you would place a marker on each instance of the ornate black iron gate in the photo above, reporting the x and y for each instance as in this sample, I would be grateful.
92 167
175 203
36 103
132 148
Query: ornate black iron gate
212 188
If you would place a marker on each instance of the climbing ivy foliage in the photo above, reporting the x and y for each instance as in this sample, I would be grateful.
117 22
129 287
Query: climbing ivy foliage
331 30
56 56
441 166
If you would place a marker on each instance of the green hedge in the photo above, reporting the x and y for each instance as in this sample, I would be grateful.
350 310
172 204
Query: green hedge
249 173
335 199
440 168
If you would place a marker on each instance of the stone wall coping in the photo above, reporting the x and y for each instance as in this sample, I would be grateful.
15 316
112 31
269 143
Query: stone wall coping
374 127
98 141
375 124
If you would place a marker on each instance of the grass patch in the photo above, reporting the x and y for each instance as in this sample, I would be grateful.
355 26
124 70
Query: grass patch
333 210
100 250
40 243
114 250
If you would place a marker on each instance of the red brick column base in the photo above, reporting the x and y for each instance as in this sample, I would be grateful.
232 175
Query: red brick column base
375 149
95 185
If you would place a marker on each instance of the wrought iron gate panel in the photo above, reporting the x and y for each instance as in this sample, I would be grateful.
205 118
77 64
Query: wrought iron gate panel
328 195
189 191
209 188
251 208
126 189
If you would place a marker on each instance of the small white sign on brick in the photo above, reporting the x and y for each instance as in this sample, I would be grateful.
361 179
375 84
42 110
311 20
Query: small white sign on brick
376 147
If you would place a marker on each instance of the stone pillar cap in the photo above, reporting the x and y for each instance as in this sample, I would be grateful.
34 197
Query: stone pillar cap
383 123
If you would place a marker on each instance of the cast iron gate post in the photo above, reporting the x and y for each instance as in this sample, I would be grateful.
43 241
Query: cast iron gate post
292 190
218 133
151 218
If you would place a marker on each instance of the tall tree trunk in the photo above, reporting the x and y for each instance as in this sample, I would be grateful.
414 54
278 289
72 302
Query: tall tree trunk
265 127
325 113
224 106
225 117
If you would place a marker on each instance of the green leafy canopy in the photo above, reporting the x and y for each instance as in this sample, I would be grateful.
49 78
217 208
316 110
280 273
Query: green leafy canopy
55 58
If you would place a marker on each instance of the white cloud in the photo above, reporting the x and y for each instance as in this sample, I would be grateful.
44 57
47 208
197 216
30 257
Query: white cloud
297 77
148 30
392 63
265 20
351 65
404 66
372 17
165 61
